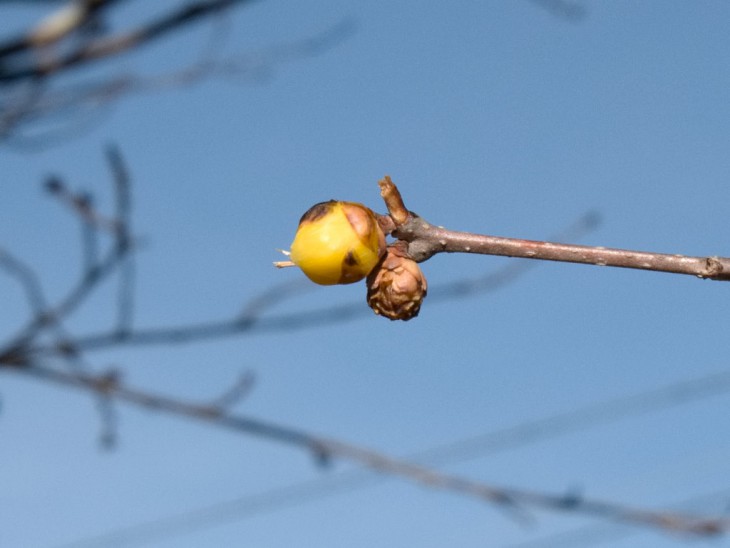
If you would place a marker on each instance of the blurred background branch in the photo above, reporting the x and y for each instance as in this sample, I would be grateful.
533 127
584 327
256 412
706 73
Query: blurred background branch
21 354
38 106
46 77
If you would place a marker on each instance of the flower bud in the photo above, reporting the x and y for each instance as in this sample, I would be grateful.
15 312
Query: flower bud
338 243
397 287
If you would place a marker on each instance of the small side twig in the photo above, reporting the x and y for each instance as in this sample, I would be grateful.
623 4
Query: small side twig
73 103
235 393
27 278
81 204
125 296
393 201
107 412
90 278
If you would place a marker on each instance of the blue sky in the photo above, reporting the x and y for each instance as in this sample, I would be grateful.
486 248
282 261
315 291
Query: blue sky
495 117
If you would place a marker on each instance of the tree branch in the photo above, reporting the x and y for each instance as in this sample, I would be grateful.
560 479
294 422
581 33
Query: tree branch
327 448
21 356
426 240
689 391
108 46
69 102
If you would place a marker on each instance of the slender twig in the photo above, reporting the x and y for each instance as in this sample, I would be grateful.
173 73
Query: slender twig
28 280
110 387
81 204
107 412
569 10
15 353
107 46
90 239
88 281
426 240
68 101
276 294
125 295
332 448
235 393
59 24
511 437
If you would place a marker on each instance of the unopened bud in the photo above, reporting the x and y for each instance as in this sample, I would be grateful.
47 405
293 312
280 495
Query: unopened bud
397 287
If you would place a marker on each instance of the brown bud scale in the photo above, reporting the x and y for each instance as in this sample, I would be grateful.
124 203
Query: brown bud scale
397 287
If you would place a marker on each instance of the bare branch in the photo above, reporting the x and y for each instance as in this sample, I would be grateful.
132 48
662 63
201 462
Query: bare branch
81 204
332 448
235 393
511 271
59 24
595 534
511 437
28 280
108 46
107 412
90 277
109 387
125 296
566 9
68 103
73 298
267 299
425 240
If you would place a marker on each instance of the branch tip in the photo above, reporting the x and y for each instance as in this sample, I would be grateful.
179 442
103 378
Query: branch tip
393 201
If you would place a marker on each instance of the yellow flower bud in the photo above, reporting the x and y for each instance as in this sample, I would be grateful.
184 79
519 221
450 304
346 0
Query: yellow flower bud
337 243
397 287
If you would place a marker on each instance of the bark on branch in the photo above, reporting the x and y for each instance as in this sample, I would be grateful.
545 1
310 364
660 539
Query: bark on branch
426 240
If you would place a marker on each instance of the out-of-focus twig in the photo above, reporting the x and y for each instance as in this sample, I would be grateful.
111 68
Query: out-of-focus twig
64 21
82 205
78 293
107 46
335 449
24 355
24 109
681 393
27 278
570 10
125 295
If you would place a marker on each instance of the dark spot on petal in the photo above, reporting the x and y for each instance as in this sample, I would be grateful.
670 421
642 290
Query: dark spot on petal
317 211
351 269
350 259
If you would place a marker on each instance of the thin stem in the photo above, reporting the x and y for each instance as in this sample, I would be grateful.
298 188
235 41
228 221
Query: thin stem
27 278
108 46
425 240
125 295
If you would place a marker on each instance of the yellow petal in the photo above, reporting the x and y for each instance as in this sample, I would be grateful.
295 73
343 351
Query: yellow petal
328 248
